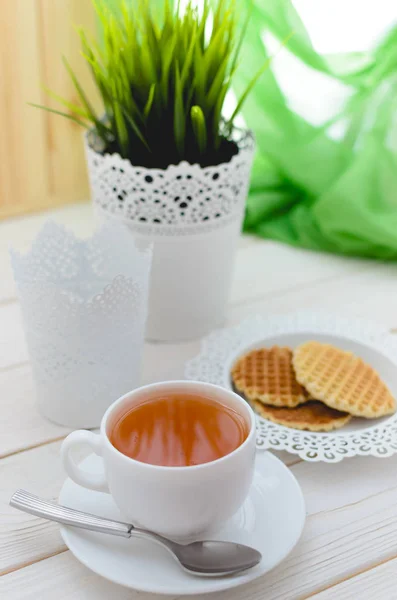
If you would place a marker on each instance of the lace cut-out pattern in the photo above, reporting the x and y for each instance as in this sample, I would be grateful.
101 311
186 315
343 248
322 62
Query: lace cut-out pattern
84 306
181 199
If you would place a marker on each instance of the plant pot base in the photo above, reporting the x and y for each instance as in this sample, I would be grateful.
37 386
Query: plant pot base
190 283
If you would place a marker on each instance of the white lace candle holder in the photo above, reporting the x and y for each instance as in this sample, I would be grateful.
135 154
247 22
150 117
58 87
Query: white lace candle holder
84 307
193 216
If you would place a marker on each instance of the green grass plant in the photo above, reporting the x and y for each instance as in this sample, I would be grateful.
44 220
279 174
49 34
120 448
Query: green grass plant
163 75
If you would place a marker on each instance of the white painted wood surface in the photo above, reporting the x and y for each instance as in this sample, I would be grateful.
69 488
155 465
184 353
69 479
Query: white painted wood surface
349 547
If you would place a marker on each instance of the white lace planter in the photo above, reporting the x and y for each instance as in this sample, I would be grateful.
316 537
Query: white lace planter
193 215
84 305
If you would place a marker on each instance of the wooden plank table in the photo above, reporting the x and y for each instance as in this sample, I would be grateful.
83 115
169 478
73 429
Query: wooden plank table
349 546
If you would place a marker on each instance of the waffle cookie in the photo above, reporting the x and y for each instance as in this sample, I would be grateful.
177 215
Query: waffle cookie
267 375
313 416
342 380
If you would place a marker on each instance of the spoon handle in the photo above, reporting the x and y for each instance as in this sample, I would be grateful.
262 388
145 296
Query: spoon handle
34 505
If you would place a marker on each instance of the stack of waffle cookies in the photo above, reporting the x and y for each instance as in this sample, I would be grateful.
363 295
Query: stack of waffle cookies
316 386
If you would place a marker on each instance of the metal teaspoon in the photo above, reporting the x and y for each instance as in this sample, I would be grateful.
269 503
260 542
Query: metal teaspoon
200 558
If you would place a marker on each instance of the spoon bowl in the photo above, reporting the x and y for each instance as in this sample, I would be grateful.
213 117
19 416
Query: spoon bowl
216 558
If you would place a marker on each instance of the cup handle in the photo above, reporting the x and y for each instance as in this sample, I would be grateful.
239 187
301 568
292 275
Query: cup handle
92 481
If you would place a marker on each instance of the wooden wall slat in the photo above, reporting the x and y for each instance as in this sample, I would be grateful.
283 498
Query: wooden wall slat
67 174
41 155
23 151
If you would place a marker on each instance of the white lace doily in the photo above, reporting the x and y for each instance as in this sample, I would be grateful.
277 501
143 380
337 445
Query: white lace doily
181 199
377 437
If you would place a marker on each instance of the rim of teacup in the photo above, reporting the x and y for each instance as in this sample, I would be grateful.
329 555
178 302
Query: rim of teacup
188 384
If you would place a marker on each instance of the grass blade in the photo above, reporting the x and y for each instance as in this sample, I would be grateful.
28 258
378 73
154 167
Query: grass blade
149 102
241 38
252 83
86 103
217 83
179 117
199 128
135 128
59 112
72 107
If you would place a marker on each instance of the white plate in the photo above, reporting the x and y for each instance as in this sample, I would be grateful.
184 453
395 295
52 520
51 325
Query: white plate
271 520
376 437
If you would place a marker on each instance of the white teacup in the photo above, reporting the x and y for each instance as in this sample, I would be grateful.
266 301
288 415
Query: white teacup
177 502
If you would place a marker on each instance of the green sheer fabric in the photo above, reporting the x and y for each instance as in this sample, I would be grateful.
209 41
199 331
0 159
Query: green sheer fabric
308 189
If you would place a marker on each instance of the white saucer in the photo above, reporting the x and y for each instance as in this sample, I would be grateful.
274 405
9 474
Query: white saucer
271 520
